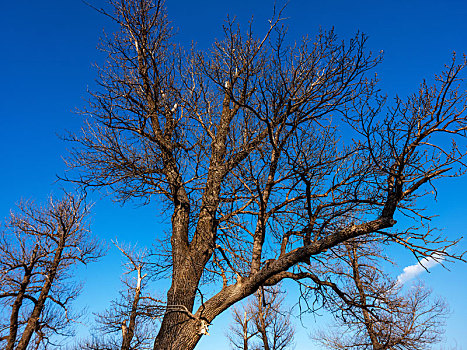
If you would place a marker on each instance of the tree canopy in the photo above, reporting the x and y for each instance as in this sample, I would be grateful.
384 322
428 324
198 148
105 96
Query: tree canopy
266 155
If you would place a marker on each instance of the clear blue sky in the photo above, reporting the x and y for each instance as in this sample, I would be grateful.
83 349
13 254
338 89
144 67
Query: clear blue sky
47 48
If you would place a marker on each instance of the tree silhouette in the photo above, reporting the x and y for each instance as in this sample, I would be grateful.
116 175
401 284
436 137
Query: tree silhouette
376 314
262 323
264 155
39 247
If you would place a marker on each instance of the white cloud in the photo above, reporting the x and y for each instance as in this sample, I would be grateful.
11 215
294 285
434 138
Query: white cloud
412 271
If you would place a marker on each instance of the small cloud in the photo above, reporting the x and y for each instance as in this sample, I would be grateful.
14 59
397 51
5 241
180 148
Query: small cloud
412 271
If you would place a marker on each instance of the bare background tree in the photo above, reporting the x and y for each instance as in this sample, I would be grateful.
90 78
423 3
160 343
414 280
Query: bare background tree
373 312
39 248
263 323
265 153
131 321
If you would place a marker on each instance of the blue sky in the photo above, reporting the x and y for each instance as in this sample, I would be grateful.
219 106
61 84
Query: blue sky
48 47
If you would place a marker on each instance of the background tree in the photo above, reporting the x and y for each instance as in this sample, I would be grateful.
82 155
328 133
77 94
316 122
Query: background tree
39 247
260 150
262 323
375 313
130 322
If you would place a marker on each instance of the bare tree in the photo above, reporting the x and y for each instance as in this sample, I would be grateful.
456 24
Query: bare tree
262 323
376 314
130 322
259 151
39 247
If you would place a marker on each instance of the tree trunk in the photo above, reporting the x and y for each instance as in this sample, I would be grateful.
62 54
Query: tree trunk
179 330
245 331
128 337
363 300
19 300
261 318
33 319
15 311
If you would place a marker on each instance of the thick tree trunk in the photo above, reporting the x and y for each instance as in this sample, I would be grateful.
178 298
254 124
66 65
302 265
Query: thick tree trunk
182 329
182 333
179 330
